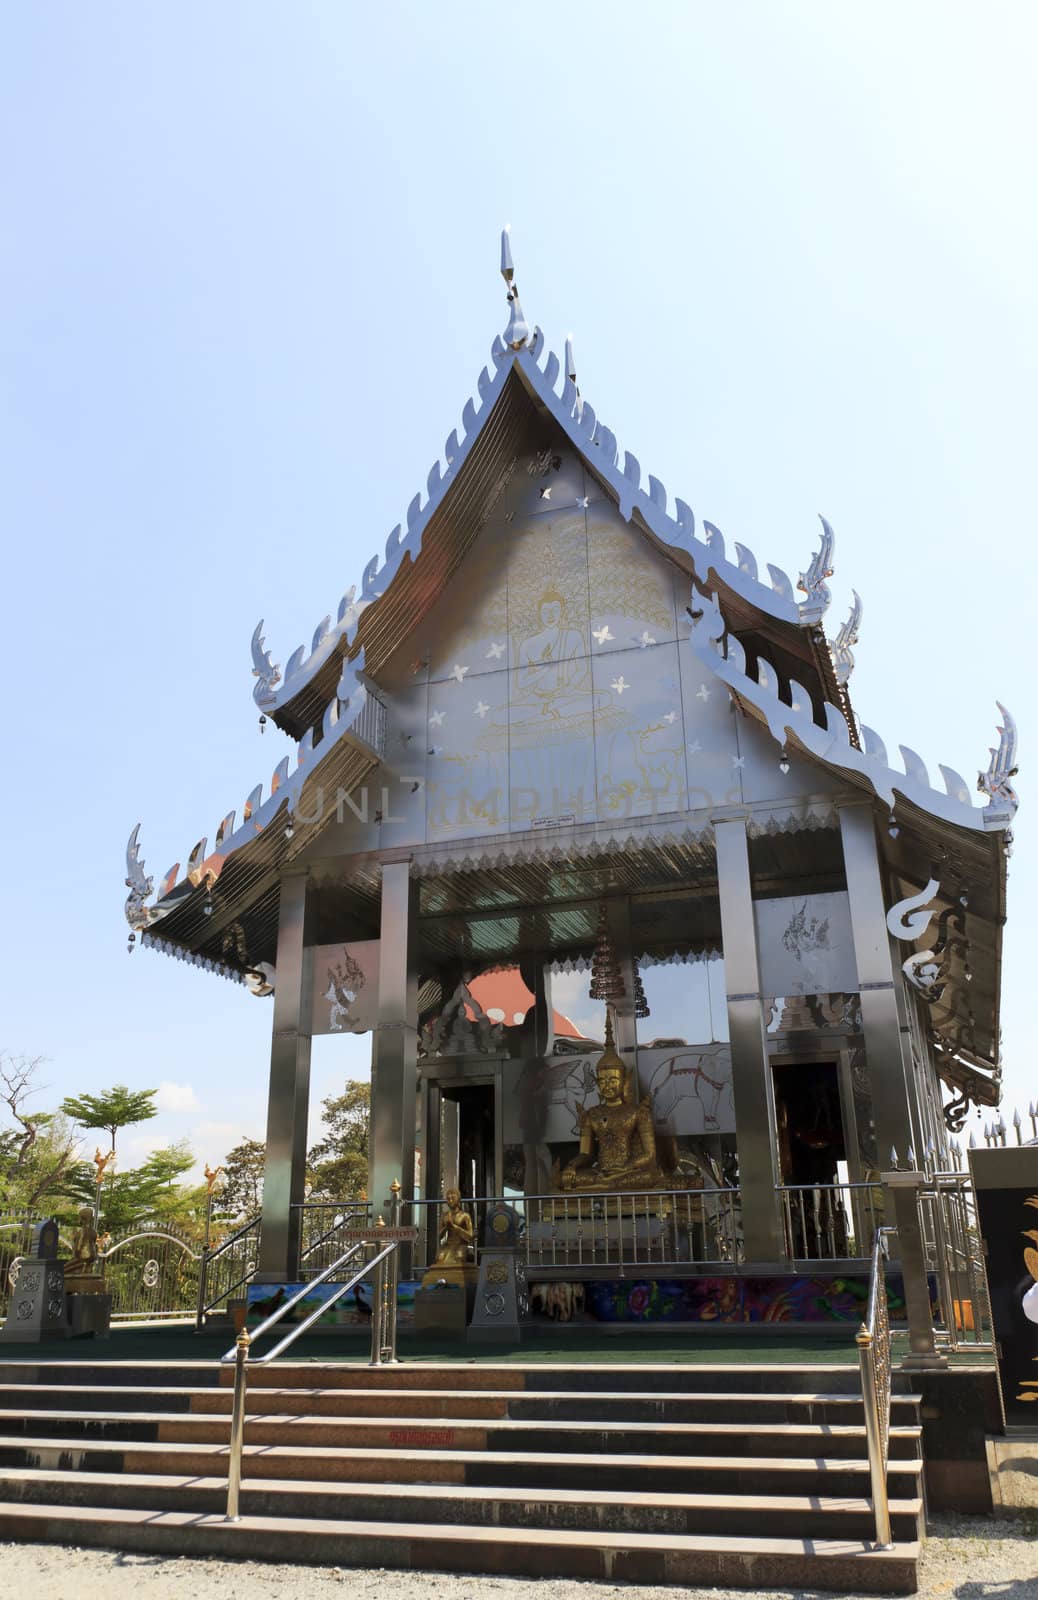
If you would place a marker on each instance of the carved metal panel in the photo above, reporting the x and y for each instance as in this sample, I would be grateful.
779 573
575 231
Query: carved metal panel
691 1088
806 945
345 987
630 588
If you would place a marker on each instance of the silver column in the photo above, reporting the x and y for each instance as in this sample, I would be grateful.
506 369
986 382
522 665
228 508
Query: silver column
881 1024
394 1050
752 1088
288 1106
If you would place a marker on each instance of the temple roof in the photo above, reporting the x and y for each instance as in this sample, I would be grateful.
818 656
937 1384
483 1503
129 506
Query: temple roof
749 629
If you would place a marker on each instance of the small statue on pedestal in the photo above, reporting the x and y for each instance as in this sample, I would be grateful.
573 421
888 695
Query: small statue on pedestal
83 1273
455 1236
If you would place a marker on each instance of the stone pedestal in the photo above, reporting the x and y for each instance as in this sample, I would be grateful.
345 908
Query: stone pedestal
444 1302
502 1301
89 1314
37 1305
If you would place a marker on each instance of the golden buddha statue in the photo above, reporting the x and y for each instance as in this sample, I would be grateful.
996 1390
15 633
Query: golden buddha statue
617 1137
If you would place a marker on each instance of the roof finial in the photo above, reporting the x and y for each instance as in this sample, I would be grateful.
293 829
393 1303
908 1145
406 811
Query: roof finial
571 372
517 333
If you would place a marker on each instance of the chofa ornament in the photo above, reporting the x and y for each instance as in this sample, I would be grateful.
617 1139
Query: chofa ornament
813 583
267 675
1002 766
846 636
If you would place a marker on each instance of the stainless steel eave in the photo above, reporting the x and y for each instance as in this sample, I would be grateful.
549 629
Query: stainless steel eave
245 895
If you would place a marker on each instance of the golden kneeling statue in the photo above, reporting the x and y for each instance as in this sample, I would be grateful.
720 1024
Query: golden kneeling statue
83 1273
455 1239
617 1138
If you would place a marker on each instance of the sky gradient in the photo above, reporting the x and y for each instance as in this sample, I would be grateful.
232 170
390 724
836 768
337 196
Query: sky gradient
249 280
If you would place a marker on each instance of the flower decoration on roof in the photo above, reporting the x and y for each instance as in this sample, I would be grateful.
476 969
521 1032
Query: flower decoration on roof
846 636
813 583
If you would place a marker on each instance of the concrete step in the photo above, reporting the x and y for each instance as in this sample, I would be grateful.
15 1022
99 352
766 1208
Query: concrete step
431 1433
847 1565
817 1407
539 1377
648 1473
817 1517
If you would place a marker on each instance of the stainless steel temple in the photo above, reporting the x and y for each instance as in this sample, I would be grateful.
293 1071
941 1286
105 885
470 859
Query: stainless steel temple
658 951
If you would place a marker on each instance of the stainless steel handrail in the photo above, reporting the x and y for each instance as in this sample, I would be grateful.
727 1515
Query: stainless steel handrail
873 1341
383 1327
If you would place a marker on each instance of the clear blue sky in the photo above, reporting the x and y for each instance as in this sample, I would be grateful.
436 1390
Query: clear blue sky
249 278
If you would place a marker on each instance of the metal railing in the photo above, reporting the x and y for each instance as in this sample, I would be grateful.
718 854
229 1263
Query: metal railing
386 1242
227 1266
951 1238
873 1341
659 1227
831 1221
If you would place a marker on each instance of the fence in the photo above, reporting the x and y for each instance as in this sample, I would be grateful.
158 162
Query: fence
156 1272
832 1221
674 1227
954 1256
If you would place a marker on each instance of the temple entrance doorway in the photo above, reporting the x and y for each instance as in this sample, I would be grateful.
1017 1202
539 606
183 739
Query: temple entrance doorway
812 1149
463 1136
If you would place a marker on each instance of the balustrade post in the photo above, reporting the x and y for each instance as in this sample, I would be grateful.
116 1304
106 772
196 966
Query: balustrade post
234 1461
911 1250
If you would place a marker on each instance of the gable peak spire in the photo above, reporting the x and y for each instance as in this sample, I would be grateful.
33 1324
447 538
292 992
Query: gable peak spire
517 333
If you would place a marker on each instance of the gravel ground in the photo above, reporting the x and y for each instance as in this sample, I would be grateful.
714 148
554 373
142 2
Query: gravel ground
965 1558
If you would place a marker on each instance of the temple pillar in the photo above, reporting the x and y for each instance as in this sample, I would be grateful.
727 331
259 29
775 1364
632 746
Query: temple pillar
885 1044
752 1089
288 1105
394 1051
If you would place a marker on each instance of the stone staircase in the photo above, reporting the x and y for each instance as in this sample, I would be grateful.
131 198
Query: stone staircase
726 1475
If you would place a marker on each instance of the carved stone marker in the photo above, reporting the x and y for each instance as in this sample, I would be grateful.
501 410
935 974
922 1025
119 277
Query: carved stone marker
37 1304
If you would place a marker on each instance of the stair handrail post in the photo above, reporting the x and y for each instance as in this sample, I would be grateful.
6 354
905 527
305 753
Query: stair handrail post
393 1266
241 1380
378 1307
873 1341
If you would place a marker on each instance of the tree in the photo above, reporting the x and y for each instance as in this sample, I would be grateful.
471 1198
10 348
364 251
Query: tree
242 1188
338 1164
39 1162
151 1193
115 1108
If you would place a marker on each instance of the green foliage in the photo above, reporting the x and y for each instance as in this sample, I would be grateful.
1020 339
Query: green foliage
151 1193
338 1164
241 1187
39 1162
115 1108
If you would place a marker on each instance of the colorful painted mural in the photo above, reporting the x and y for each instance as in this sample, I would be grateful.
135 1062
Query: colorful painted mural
722 1300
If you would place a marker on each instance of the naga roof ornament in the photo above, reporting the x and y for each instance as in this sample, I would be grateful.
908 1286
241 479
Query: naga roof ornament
846 636
138 883
813 583
1002 766
268 676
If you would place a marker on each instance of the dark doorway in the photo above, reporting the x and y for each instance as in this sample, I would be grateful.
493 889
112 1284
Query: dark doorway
468 1115
811 1144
